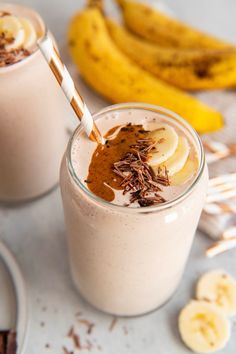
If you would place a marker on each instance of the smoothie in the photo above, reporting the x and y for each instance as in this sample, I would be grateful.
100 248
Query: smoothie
132 207
32 134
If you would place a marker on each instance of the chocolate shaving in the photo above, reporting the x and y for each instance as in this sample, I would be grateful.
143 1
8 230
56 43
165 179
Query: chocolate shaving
88 324
138 178
71 332
8 57
76 340
113 323
66 351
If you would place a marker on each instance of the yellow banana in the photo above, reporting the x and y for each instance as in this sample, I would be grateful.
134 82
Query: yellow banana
114 76
161 29
188 69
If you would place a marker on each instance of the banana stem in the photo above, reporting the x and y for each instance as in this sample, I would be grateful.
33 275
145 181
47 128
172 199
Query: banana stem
120 3
96 3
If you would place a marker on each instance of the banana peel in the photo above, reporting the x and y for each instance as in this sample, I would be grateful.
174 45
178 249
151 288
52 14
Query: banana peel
157 27
191 69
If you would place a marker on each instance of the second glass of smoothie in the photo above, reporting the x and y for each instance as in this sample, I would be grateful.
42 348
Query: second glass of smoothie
32 133
127 258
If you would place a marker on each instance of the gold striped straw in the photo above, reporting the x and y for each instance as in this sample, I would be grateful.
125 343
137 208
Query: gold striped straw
216 150
66 83
226 243
220 208
220 247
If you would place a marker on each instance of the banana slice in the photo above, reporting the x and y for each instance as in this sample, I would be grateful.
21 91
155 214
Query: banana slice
176 162
219 288
188 171
167 142
12 28
203 327
30 33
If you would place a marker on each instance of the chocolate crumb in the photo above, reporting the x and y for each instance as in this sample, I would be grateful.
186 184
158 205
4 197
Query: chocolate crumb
66 351
87 181
88 324
71 332
76 340
113 323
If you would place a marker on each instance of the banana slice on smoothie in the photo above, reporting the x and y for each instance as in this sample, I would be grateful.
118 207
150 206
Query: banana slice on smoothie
30 33
219 288
12 28
187 172
176 162
166 143
203 327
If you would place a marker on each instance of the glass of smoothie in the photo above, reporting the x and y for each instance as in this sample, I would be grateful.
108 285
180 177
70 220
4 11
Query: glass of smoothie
132 206
32 134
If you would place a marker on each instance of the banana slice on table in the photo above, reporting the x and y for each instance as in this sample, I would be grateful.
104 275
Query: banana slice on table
176 162
203 327
219 288
30 33
12 27
166 143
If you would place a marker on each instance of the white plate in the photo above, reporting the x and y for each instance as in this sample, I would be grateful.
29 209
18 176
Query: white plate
13 300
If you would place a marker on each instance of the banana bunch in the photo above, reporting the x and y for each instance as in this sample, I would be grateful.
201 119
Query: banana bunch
112 74
163 30
203 323
20 30
187 69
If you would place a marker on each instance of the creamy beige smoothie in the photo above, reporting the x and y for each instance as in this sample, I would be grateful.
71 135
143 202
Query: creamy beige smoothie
129 239
32 134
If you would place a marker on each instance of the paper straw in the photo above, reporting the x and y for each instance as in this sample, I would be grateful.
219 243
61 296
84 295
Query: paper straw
221 247
229 233
219 208
221 187
216 150
66 83
229 177
221 196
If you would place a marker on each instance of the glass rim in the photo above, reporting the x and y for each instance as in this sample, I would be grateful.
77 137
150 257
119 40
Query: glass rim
37 50
150 209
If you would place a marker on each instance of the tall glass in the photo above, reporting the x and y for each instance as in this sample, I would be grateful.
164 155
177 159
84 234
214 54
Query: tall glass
129 261
32 133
